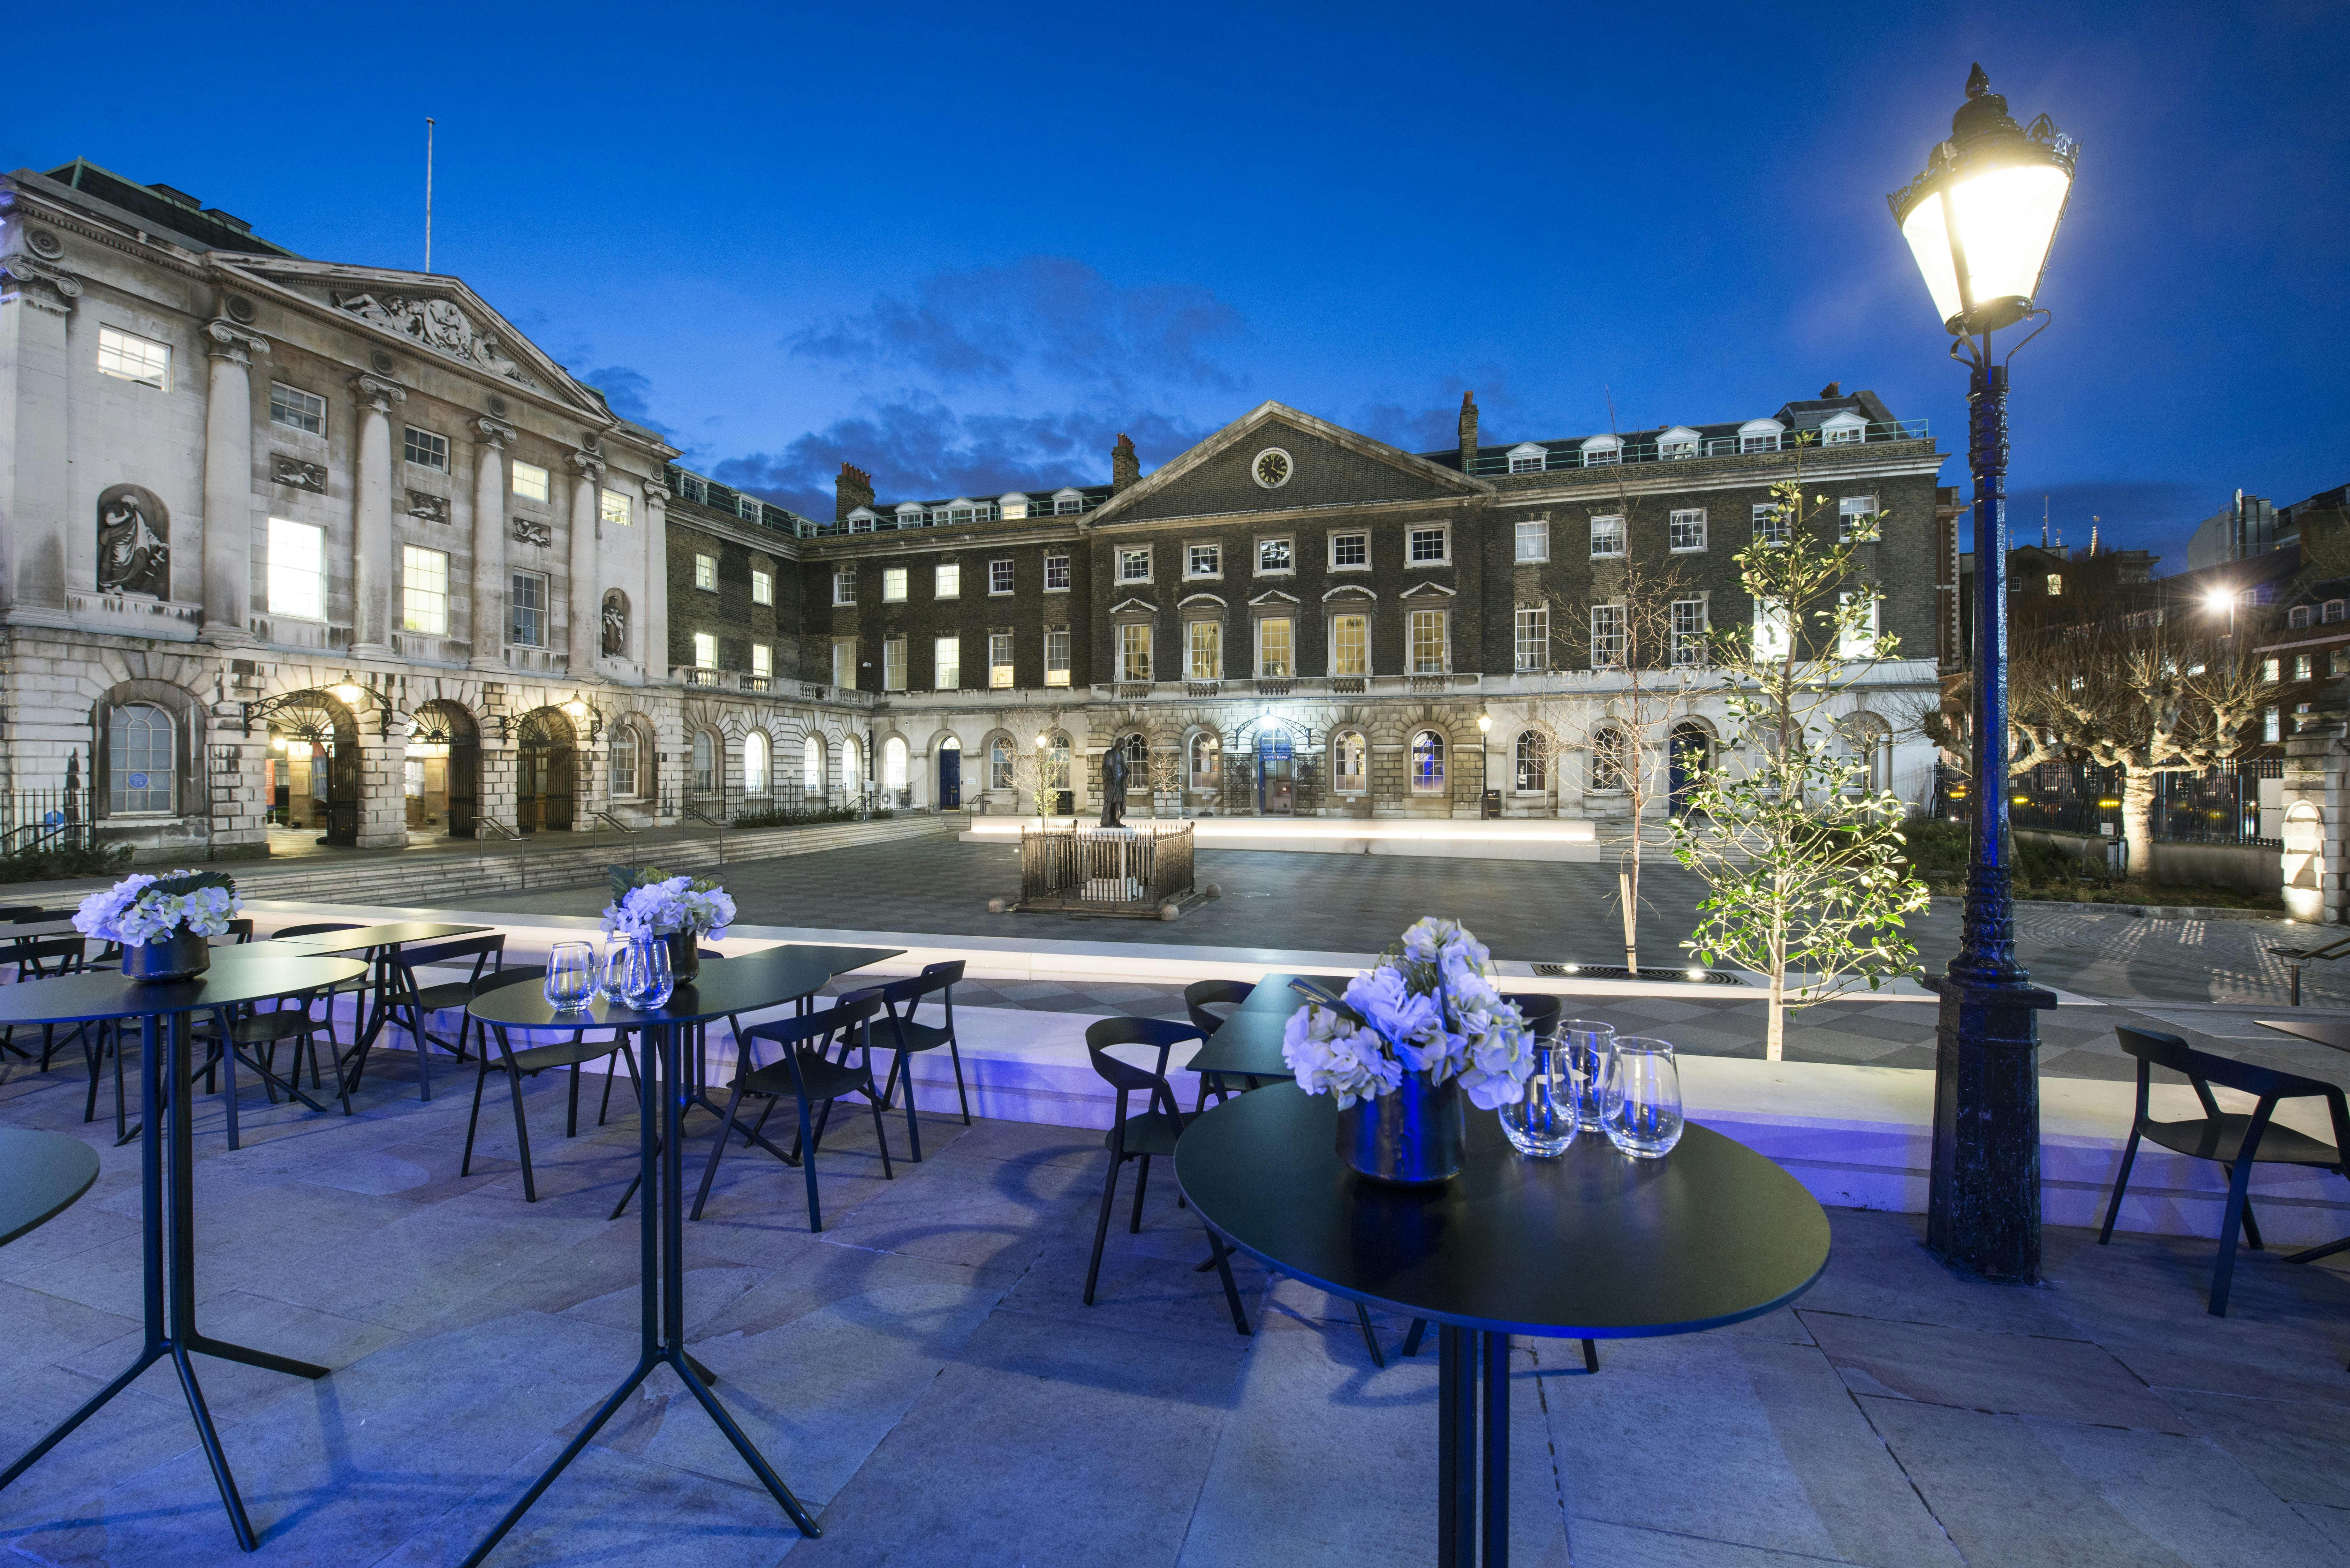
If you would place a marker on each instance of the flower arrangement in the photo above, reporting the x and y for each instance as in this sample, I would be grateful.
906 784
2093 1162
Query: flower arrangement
1429 1007
141 908
660 906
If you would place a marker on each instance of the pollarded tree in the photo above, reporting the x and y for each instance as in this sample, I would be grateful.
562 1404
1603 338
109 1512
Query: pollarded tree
1801 858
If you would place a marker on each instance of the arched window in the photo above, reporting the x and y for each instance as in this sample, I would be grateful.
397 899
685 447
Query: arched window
139 759
1349 763
893 763
1610 759
754 764
812 764
620 778
706 763
1427 762
1534 761
1870 742
1138 750
999 763
1056 762
1207 759
852 771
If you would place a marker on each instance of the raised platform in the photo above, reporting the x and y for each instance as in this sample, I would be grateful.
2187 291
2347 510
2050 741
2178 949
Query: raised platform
1509 838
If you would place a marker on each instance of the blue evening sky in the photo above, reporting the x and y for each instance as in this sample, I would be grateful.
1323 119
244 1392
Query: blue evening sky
964 246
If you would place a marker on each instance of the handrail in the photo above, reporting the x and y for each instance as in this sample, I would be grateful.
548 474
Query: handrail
497 829
607 818
1700 447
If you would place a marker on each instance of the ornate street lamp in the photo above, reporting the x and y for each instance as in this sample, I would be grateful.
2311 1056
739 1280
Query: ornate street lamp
1980 220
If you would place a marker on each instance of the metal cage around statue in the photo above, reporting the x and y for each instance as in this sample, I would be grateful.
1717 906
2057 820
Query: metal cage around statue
1113 871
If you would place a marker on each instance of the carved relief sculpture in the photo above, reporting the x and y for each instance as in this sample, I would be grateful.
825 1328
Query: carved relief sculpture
438 325
616 624
531 532
134 551
431 508
287 469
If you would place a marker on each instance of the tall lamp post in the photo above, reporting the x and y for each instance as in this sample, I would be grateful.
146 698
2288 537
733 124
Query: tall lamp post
1980 220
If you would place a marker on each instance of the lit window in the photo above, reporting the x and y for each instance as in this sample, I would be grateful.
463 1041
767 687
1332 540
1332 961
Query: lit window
528 604
2272 725
946 662
427 450
1771 638
423 591
297 410
2304 666
611 508
893 584
528 480
1134 652
1606 636
1207 760
1677 447
621 773
1056 762
1533 539
893 664
1688 633
1427 762
1350 550
893 763
1011 508
1770 523
1056 656
2056 584
843 586
1348 757
2271 669
1686 530
999 578
297 569
999 660
1203 561
1533 761
946 580
1611 759
763 587
1533 637
844 662
2338 662
1428 546
134 358
754 764
705 573
1429 650
1134 565
1607 537
1056 574
1273 557
706 763
1855 518
763 660
999 763
812 764
1204 649
1350 644
139 759
705 650
1273 641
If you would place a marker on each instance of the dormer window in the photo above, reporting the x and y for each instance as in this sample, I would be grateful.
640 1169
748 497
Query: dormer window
1012 507
747 507
1676 443
1845 429
2297 616
1066 502
1527 457
911 516
861 520
1601 450
1759 435
2333 610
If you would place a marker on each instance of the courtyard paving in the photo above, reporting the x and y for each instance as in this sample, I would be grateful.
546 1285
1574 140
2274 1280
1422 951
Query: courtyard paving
924 1373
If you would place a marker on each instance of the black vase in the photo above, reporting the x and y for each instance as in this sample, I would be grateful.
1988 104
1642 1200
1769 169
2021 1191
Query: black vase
1415 1136
183 955
684 956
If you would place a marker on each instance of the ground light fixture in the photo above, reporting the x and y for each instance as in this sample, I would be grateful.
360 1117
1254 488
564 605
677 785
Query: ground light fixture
1979 220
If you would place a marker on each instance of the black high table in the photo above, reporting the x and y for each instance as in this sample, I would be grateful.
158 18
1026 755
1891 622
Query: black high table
167 1167
42 1174
1590 1245
379 943
766 979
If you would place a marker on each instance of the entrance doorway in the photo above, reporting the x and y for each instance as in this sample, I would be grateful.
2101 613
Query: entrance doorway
444 771
314 766
949 774
1691 753
1276 777
547 770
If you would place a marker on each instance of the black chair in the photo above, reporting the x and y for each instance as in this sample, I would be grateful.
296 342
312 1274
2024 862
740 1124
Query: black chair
357 986
15 914
908 1036
1199 997
531 1061
806 1073
1153 1134
44 958
412 1005
2237 1141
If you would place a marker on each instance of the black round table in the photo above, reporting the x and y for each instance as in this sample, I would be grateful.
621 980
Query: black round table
769 977
167 1165
1591 1245
42 1174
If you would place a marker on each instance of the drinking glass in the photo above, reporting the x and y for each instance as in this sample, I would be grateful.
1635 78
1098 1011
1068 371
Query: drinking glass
1543 1124
646 982
1585 1044
1643 1101
570 976
612 969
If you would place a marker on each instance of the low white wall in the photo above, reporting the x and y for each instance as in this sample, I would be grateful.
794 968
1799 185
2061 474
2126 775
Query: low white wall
1507 838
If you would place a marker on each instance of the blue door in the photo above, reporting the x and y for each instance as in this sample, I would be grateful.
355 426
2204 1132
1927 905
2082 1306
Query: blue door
949 778
1275 770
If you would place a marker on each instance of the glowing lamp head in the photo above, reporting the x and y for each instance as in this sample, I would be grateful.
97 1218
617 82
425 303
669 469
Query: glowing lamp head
1981 217
348 693
1485 723
278 742
2219 601
1040 742
576 708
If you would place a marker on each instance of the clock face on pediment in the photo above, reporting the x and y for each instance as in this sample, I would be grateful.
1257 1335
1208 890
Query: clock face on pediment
1272 468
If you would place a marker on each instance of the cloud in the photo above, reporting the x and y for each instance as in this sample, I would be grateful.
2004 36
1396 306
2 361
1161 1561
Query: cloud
919 449
1051 315
629 393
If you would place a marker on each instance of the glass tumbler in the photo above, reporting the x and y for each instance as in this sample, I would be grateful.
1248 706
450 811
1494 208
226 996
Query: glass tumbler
646 982
612 970
570 976
1542 1123
1643 1100
1586 1045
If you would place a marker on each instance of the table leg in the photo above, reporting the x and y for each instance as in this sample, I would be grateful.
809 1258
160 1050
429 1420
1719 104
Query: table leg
664 1090
1497 1450
1456 1447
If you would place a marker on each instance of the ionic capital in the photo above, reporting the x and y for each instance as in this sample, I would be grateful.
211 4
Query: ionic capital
378 392
494 434
231 341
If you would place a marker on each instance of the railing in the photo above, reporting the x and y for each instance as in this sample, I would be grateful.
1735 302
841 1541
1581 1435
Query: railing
1298 686
43 819
2210 805
1703 446
1095 867
606 819
893 521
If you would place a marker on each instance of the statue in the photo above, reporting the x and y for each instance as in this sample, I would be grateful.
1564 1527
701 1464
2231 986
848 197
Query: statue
616 625
134 555
1114 786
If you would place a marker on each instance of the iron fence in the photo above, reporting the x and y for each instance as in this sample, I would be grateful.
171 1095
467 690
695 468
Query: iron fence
45 819
1105 867
2222 805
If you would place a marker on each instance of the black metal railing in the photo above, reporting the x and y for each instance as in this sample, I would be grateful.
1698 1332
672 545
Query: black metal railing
2217 804
38 820
1105 867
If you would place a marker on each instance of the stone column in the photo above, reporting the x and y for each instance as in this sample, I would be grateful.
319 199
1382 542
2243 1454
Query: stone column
228 483
2316 857
236 799
498 748
36 297
587 550
383 784
489 622
652 614
371 565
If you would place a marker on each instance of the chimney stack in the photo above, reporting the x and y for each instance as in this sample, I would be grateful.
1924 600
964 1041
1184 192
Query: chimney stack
1125 468
852 490
1468 429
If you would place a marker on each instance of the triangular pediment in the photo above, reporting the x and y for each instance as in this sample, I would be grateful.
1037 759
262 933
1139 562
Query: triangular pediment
1317 464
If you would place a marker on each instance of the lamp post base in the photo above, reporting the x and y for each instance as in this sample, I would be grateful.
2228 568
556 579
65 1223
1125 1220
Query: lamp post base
1982 1210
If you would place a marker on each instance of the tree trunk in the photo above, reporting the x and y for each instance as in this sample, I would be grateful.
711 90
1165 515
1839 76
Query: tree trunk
1627 889
2137 823
1774 1039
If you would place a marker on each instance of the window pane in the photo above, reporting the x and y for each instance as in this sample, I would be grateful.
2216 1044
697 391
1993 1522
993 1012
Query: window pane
705 573
1273 647
1428 648
1427 545
1533 762
134 358
1056 656
1427 760
705 763
427 450
893 664
1689 632
1350 644
1606 636
1608 535
1134 653
1687 530
705 650
1350 549
297 569
528 621
754 764
621 774
1134 565
1534 638
999 576
297 410
946 580
1272 555
529 482
611 507
139 759
1056 571
999 660
947 663
844 585
1205 660
999 763
424 590
893 584
812 764
763 587
1534 540
1348 762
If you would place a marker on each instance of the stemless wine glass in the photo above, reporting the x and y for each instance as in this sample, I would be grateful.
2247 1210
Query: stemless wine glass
647 982
1585 1044
1643 1101
570 976
612 969
1541 1123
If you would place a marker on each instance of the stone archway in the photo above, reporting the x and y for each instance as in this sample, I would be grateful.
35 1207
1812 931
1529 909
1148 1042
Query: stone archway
546 772
313 771
444 770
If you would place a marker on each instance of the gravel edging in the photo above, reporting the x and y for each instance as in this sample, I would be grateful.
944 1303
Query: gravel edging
2140 911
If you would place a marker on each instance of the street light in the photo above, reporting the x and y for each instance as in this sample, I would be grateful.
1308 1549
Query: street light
2220 599
1484 760
1979 220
